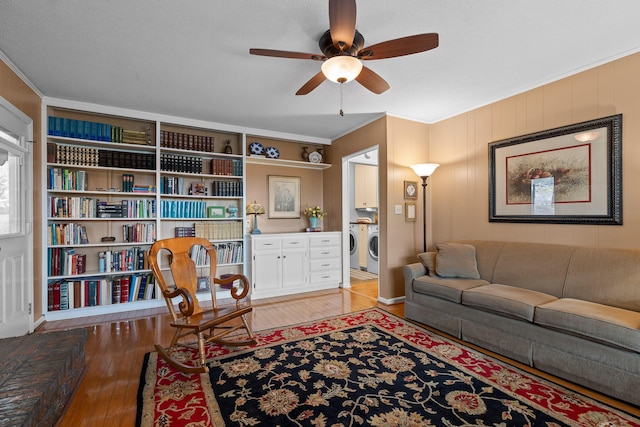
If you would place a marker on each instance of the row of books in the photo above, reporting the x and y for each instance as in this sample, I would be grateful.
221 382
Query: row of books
123 260
66 179
139 232
219 230
227 188
65 262
91 156
180 163
129 185
70 294
226 253
96 131
185 141
67 234
231 167
172 185
88 207
183 209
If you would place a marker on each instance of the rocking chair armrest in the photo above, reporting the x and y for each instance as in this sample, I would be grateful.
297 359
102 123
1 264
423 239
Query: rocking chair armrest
235 292
186 305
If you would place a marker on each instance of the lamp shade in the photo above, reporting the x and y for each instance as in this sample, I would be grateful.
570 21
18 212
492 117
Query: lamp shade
424 169
255 209
341 69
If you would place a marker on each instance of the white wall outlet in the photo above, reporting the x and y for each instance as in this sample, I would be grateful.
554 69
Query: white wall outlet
398 209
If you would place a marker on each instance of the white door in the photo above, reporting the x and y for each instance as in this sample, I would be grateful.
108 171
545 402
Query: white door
16 255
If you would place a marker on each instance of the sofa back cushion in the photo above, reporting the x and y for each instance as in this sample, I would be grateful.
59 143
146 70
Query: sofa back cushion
456 260
487 253
536 266
605 276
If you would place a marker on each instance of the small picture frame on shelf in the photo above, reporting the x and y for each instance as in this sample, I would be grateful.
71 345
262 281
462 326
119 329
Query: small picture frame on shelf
215 212
198 188
203 284
409 211
410 190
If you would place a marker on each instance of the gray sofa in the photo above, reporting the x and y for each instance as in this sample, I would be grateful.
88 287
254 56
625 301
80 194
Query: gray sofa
570 311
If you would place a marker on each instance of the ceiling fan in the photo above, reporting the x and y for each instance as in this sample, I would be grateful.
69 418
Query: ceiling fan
342 51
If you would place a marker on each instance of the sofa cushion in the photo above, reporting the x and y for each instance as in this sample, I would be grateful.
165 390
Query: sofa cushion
537 266
605 276
456 260
591 320
445 288
428 259
508 300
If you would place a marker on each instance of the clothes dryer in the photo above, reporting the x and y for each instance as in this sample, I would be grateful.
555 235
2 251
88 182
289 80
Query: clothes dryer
372 248
353 246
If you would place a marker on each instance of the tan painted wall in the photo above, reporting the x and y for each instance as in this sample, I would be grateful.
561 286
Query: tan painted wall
311 190
14 90
400 144
460 186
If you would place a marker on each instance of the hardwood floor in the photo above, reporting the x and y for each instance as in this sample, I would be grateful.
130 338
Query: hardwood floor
117 343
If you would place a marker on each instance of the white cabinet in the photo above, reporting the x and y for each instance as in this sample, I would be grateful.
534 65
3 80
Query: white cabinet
278 263
288 263
325 261
366 186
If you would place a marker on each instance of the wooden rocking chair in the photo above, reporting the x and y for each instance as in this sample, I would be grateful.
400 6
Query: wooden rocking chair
218 324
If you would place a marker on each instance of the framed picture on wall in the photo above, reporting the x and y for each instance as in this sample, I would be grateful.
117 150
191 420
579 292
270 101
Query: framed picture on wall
410 190
568 175
284 196
409 211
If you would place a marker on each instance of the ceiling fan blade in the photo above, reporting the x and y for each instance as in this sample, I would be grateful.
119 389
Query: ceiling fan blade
286 54
372 81
342 22
400 47
311 84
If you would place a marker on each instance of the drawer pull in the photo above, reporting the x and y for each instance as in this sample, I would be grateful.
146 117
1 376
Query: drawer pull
326 265
268 244
326 241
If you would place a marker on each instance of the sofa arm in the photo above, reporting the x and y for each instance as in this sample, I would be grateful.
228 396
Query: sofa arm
410 272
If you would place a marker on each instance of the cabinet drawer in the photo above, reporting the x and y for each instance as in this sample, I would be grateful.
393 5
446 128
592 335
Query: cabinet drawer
325 264
293 242
326 276
328 252
266 244
326 240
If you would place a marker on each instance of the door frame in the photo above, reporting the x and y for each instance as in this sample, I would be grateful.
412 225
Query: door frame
14 120
348 181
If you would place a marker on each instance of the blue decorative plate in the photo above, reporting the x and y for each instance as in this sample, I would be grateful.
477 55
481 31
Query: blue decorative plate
256 148
272 152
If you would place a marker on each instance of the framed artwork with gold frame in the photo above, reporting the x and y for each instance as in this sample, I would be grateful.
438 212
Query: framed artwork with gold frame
410 190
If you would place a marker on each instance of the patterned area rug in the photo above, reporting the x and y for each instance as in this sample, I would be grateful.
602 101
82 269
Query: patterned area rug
367 368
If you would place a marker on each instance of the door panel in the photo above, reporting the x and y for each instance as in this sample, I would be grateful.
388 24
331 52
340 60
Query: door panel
16 255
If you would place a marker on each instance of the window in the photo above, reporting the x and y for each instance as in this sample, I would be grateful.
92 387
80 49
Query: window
10 184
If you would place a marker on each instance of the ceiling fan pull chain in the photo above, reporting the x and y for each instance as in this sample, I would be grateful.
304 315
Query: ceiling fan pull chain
341 112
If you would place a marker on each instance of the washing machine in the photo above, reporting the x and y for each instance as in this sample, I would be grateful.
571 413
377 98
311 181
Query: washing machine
372 248
353 245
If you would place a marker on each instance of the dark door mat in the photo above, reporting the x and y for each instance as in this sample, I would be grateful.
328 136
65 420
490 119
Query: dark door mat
38 375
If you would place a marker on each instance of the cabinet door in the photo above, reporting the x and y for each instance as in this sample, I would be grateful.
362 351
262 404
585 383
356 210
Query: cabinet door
366 186
267 270
294 267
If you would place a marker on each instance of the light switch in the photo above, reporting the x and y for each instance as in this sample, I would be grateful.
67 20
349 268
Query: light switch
398 209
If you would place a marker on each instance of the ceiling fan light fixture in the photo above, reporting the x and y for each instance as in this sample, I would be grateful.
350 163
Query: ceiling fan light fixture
342 68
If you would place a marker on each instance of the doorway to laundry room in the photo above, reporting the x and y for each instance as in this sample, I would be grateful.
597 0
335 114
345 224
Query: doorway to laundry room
361 220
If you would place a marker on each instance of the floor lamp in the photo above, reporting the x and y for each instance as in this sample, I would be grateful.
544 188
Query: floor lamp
424 171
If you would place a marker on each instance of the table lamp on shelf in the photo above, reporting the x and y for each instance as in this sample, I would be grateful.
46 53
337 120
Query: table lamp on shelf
255 209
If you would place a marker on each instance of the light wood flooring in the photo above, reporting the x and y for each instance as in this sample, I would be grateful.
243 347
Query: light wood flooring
117 343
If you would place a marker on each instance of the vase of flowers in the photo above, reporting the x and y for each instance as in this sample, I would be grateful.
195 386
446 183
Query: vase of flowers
315 214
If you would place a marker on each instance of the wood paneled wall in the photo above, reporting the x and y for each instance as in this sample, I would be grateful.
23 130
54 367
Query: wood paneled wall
460 186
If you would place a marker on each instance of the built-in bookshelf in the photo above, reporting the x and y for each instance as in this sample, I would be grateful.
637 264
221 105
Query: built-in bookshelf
115 184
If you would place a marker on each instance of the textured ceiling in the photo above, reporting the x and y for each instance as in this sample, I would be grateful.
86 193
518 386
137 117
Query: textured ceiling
191 58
